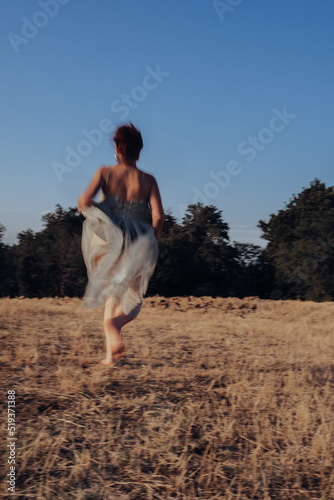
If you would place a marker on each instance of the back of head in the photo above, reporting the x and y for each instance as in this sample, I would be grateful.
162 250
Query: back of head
129 141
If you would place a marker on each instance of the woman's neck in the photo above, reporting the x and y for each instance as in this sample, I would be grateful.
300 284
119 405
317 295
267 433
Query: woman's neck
128 163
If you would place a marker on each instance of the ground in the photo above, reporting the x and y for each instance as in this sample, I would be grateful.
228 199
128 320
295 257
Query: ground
214 399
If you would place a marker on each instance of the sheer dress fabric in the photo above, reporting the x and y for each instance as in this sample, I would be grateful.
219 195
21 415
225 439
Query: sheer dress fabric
120 252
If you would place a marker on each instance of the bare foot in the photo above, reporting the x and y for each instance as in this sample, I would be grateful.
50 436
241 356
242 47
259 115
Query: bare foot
112 360
107 362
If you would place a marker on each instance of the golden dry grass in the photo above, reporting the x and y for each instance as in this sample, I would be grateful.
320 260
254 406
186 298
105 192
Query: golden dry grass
215 399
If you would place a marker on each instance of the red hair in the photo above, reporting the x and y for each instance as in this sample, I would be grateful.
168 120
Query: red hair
129 141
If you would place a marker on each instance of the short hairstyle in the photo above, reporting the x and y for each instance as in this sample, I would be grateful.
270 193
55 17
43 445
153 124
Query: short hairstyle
129 141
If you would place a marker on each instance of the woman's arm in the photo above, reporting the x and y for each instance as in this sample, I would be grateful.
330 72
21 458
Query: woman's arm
158 215
86 199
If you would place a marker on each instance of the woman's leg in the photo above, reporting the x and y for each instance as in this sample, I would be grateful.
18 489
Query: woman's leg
114 320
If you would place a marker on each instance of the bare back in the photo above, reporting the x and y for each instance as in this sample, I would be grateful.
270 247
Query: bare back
127 183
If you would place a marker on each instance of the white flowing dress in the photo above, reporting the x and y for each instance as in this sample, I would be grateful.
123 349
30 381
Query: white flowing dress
120 252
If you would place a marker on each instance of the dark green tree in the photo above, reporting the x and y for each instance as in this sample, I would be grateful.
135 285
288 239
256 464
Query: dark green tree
11 264
31 275
301 244
254 276
171 275
60 250
50 263
8 261
3 262
212 258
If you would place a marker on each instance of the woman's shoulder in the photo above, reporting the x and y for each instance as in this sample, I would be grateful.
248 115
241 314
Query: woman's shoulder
105 171
148 177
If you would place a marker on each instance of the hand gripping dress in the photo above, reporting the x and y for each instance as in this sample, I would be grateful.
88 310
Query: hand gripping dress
120 252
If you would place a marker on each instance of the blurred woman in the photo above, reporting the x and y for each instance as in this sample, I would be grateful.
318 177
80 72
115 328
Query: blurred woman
119 242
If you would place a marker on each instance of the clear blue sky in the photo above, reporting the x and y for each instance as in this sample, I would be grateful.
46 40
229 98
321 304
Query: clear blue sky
207 86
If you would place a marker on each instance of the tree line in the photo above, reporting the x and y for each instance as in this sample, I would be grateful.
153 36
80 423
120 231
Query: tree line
196 256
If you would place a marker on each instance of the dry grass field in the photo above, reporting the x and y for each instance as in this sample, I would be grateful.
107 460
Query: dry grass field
214 399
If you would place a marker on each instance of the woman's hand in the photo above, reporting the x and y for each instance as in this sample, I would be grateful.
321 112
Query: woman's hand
158 215
81 205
